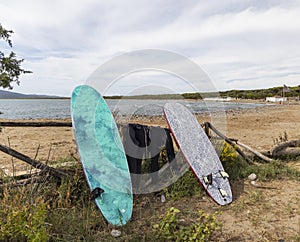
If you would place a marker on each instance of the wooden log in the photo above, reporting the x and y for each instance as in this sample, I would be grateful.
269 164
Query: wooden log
235 141
36 124
229 141
281 149
255 152
34 163
206 129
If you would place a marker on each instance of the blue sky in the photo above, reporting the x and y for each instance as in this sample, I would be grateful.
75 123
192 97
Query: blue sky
238 44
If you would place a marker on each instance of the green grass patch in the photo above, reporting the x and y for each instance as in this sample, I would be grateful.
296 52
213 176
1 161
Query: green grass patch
240 169
186 186
61 210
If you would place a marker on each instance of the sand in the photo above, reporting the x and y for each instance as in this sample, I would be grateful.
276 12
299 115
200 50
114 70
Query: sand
259 128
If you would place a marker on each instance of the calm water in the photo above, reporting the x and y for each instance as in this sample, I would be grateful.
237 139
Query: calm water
60 108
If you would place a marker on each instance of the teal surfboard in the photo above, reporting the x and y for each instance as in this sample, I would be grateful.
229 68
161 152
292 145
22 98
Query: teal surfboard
102 155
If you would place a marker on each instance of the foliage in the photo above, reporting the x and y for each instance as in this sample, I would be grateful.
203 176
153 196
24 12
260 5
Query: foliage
238 168
61 210
239 94
10 66
22 219
185 186
54 210
232 163
71 213
273 170
202 229
228 153
262 93
195 95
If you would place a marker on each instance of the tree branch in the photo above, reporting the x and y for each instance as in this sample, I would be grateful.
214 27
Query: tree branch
34 163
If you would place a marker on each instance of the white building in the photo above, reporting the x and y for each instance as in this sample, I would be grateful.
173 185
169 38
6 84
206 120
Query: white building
276 99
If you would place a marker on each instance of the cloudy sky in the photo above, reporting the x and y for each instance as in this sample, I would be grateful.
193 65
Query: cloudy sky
239 44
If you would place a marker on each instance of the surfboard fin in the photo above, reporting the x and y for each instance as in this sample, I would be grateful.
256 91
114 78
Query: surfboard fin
208 179
223 193
96 193
224 174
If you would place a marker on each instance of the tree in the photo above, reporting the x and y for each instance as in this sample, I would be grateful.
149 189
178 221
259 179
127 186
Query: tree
10 66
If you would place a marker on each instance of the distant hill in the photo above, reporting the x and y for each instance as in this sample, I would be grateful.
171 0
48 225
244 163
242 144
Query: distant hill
16 95
240 94
263 93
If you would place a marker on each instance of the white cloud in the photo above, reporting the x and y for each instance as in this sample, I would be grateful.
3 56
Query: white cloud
240 44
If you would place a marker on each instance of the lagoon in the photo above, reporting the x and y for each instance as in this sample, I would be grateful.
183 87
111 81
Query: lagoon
60 108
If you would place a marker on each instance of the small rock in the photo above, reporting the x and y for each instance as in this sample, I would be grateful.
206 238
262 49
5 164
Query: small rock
253 183
115 233
163 198
252 177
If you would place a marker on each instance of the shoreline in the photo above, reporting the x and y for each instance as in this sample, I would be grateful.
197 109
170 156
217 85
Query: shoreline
257 127
205 113
233 105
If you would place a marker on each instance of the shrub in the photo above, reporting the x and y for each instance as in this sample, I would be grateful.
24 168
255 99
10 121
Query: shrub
202 229
21 220
186 186
228 153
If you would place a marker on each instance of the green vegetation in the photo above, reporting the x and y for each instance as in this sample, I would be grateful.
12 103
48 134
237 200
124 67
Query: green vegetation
10 66
238 168
185 186
172 228
262 93
52 210
240 94
61 210
22 219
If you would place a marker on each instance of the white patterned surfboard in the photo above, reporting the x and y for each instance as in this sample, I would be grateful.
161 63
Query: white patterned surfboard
199 152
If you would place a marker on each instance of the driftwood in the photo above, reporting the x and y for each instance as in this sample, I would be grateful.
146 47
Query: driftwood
234 143
36 124
206 129
229 141
261 187
34 163
281 149
255 152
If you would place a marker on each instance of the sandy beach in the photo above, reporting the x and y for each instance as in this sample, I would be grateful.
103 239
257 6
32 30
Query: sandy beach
257 127
275 215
